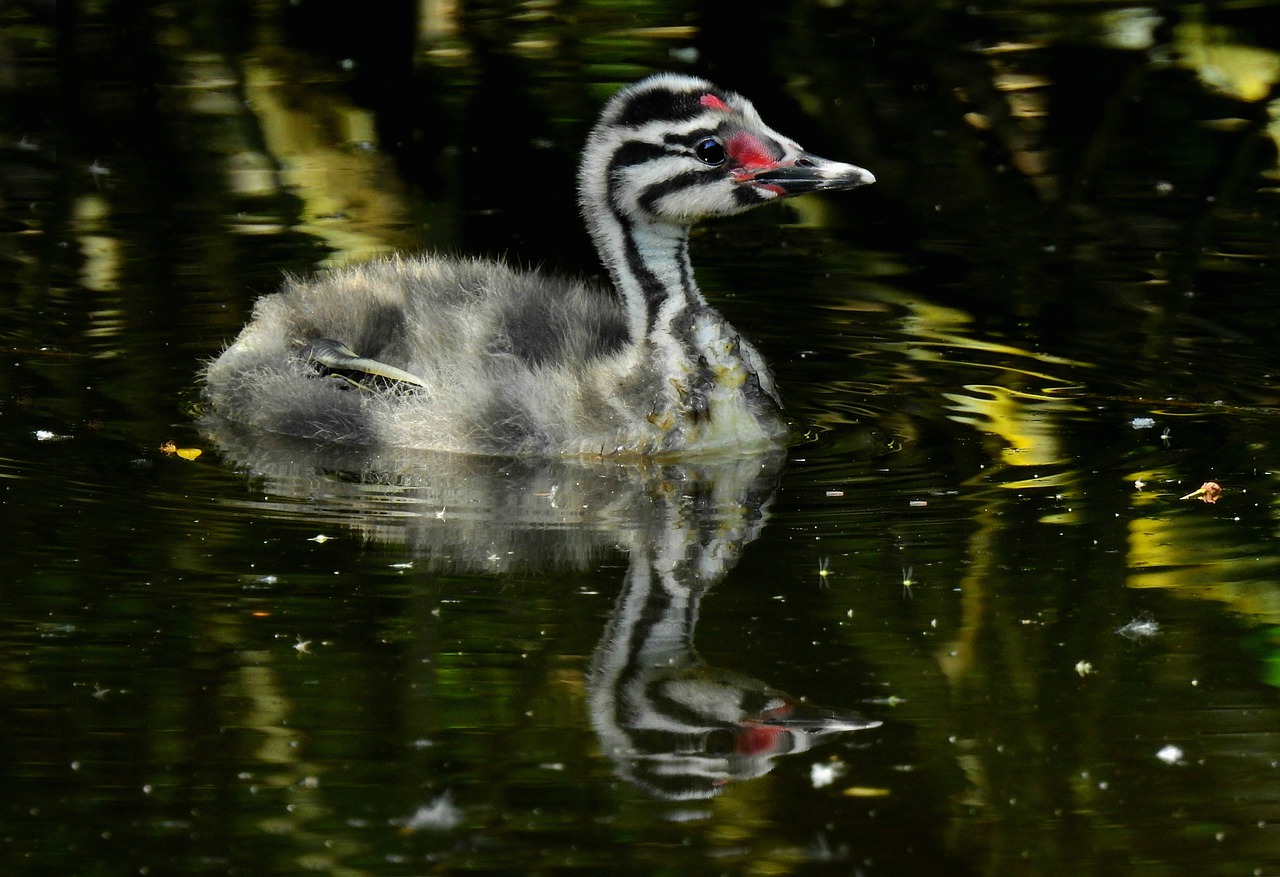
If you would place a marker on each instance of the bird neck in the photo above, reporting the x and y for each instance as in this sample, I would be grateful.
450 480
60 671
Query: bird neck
648 263
703 384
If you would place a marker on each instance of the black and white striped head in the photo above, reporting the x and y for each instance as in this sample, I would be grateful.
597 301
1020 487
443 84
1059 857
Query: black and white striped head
673 148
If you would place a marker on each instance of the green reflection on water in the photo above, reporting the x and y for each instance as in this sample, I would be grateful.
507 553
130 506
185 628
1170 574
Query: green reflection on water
1075 232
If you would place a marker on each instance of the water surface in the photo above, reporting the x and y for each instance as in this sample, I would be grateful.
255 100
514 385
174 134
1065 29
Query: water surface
965 625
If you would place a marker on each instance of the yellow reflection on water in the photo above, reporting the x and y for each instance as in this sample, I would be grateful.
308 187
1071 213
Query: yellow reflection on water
325 148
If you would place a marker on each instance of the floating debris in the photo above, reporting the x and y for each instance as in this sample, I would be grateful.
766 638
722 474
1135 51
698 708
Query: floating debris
1170 754
170 449
1084 668
1143 423
824 774
866 792
440 815
1207 492
1141 627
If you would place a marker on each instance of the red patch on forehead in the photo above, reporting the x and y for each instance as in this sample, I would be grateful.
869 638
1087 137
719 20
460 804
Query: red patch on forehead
711 102
749 151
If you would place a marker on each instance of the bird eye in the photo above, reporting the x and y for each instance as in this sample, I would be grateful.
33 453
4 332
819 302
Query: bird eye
710 151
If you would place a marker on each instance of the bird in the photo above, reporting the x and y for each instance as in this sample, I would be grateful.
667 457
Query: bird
479 357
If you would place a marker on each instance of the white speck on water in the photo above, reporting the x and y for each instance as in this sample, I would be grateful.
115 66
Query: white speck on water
824 773
684 54
1141 627
440 815
1142 423
1170 754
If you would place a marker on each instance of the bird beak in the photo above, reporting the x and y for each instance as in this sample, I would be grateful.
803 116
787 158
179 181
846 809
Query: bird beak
809 173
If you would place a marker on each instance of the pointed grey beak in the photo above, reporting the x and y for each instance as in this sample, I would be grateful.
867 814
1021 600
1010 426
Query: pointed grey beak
810 173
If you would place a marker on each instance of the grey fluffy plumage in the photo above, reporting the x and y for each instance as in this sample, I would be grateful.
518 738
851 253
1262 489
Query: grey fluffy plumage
484 358
490 380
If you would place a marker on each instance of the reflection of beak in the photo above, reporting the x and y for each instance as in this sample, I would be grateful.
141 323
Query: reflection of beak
787 726
809 173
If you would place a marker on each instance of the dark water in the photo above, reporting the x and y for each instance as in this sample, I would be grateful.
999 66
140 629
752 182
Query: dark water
967 626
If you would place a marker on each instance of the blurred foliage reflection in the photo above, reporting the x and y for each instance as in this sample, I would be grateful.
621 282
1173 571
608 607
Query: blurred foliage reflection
1054 315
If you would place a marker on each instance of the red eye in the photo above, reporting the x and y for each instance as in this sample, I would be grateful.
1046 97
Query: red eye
710 151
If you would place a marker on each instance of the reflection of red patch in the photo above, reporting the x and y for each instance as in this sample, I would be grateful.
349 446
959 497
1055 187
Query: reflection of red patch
749 151
711 102
753 739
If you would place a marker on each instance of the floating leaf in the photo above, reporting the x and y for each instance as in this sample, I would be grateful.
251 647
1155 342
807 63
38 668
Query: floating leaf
865 792
169 449
1207 492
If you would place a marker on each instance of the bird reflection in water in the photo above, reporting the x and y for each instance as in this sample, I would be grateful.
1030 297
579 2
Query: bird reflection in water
670 724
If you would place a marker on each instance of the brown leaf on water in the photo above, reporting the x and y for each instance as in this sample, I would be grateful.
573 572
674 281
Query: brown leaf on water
169 449
1207 492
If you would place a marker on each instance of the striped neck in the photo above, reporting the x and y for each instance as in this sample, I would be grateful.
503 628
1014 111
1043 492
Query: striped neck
648 263
666 152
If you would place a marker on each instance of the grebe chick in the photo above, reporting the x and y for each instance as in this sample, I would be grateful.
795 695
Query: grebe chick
476 357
